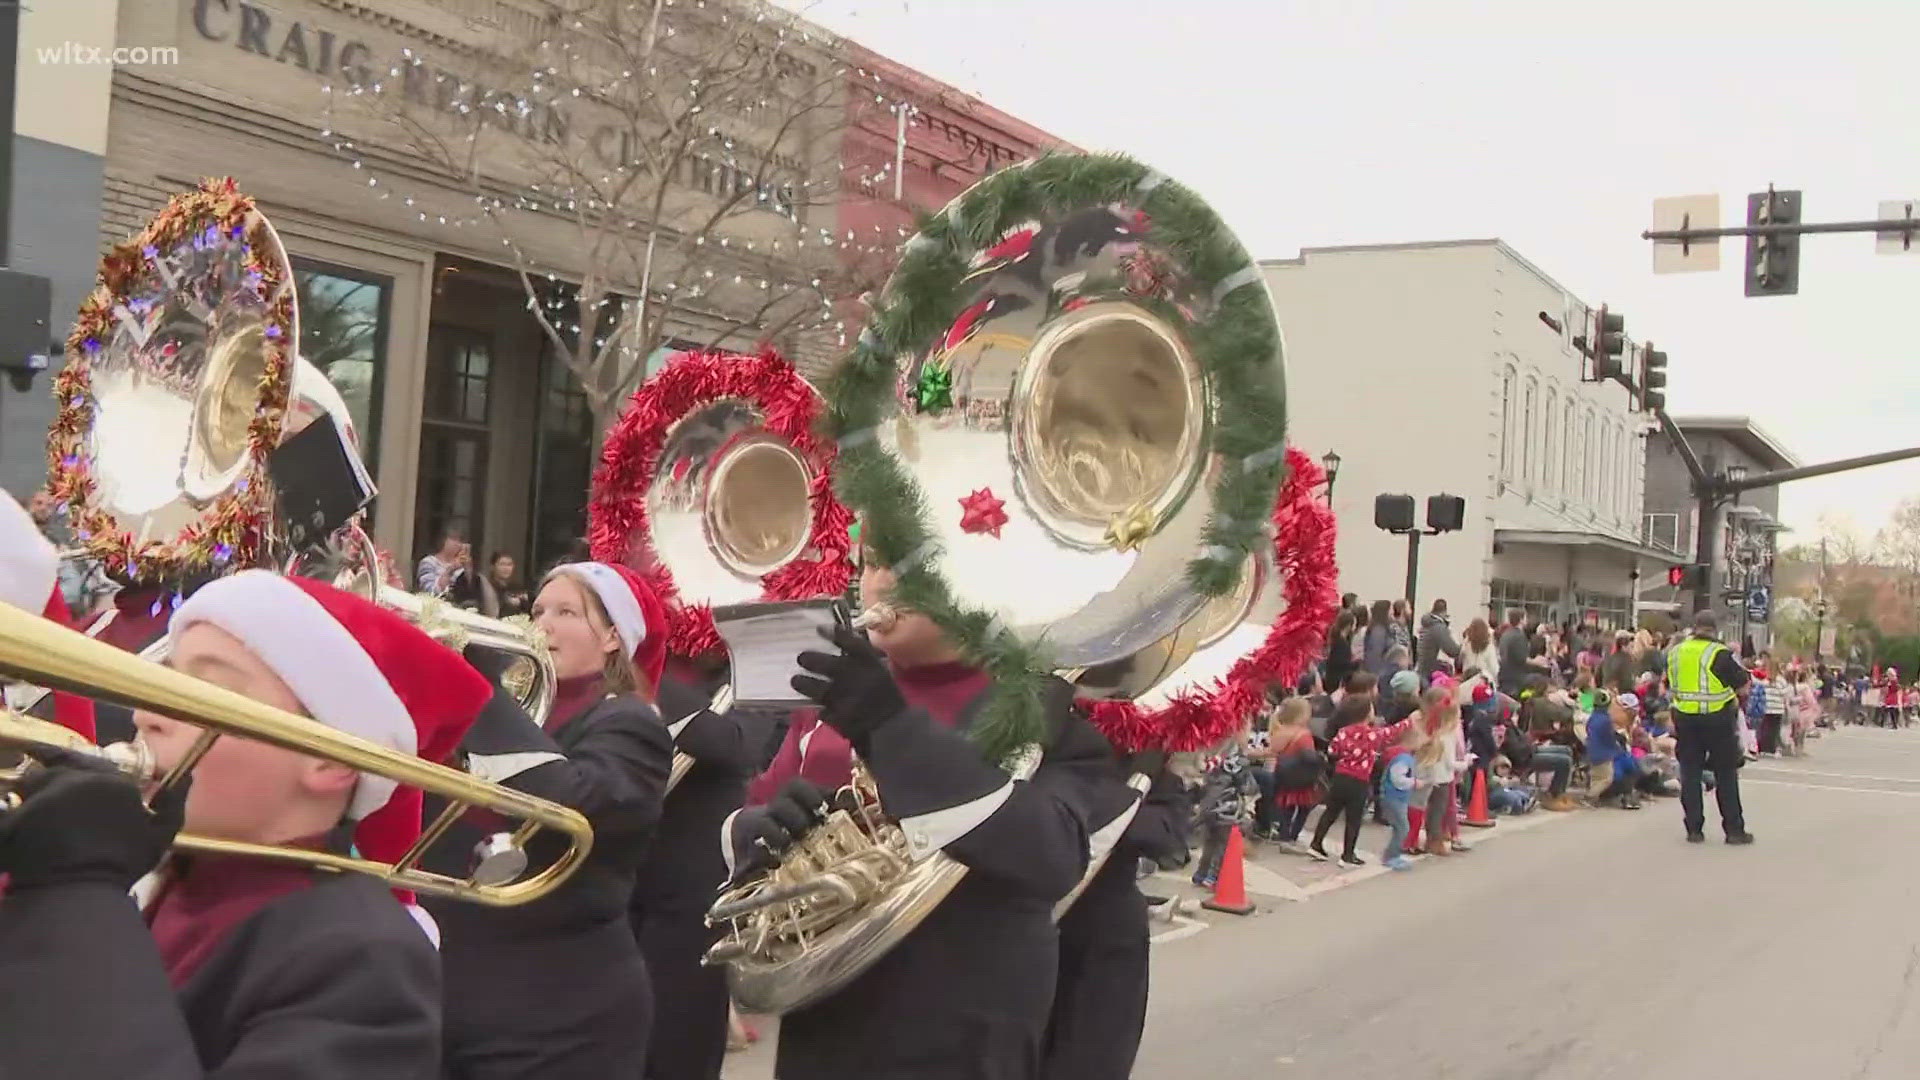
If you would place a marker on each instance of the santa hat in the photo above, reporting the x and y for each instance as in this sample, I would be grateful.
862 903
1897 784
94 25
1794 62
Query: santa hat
637 615
30 580
358 668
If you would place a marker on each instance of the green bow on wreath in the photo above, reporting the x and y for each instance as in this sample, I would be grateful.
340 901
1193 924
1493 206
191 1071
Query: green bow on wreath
935 391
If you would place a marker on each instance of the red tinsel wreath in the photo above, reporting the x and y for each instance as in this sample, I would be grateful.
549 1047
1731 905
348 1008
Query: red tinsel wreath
1303 552
617 514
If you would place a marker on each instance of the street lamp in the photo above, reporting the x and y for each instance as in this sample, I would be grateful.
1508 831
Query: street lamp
1330 462
1736 473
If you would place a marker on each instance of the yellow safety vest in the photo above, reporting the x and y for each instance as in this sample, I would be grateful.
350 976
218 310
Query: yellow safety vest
1690 678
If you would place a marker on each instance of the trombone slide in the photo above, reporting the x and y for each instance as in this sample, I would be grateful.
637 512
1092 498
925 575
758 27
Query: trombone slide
41 652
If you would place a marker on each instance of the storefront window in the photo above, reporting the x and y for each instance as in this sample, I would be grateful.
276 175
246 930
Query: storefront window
1610 612
1541 602
343 333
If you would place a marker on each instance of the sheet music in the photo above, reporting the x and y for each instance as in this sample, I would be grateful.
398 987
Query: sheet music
764 642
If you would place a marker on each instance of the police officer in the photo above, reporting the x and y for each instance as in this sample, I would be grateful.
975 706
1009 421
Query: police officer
1706 680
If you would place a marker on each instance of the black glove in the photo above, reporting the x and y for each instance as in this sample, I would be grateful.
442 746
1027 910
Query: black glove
80 820
855 691
762 833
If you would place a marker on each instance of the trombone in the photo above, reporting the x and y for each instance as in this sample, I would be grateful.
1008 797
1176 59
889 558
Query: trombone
38 651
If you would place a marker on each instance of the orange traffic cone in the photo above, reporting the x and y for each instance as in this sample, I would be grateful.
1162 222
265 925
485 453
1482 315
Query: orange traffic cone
1477 814
1415 819
1230 889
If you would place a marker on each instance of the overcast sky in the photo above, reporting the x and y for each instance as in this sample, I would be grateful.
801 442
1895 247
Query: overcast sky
1552 125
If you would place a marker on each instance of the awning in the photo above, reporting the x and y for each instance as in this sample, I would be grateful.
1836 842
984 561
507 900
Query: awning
1558 538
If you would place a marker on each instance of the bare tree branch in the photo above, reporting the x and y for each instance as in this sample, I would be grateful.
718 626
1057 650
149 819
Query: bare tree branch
654 171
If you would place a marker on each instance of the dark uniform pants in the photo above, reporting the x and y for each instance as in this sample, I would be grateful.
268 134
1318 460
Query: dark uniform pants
1710 742
689 999
574 1006
1099 1010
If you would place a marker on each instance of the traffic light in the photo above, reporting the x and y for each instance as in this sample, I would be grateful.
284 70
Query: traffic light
1393 513
1773 260
1653 379
1609 343
1687 576
1446 513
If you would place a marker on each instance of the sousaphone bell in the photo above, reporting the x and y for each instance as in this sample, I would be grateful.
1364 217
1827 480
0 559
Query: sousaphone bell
1060 431
713 485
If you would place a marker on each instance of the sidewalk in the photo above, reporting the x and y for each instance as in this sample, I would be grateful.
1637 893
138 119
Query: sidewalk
1274 875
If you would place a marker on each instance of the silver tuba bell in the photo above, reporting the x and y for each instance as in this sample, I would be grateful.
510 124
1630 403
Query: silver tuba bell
723 498
184 375
1059 429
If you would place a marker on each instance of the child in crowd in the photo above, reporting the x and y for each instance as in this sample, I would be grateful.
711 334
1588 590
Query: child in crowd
1354 751
1615 772
1439 762
1396 790
1297 765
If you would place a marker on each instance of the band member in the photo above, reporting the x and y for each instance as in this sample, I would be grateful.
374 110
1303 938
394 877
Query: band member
240 966
1100 1000
967 992
30 580
556 989
682 871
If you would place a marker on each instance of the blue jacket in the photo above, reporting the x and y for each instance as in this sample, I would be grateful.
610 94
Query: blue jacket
1396 780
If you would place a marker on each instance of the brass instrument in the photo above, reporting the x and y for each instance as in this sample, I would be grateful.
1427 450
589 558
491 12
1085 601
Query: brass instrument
178 386
728 503
1084 409
176 390
38 651
529 675
842 896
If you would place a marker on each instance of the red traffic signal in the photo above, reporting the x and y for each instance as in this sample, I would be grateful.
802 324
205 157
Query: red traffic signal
1685 577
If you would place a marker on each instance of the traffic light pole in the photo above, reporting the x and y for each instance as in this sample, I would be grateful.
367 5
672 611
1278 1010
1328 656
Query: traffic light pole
1413 572
1413 564
1906 227
1711 491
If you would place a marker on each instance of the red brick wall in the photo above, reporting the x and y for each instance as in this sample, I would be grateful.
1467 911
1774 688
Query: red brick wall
952 141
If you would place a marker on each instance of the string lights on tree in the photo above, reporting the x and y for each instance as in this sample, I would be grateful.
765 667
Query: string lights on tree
664 155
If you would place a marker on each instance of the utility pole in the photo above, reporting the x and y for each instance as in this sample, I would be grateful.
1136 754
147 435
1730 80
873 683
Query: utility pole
1820 604
1713 487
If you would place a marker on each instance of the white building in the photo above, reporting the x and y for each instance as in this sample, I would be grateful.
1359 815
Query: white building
1428 369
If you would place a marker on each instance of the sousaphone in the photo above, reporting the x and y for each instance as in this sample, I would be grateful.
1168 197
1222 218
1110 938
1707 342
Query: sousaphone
715 487
1073 389
183 376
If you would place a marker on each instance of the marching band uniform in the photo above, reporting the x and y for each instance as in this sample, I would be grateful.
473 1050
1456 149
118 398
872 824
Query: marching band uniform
679 876
1100 1001
241 967
966 994
30 570
556 989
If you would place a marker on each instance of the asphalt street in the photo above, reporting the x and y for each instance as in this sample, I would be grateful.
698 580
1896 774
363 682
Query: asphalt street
1587 945
1600 945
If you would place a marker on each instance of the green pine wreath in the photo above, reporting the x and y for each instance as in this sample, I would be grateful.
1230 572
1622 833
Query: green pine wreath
1237 344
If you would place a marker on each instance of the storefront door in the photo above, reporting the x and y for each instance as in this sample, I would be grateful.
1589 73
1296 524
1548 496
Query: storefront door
454 437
